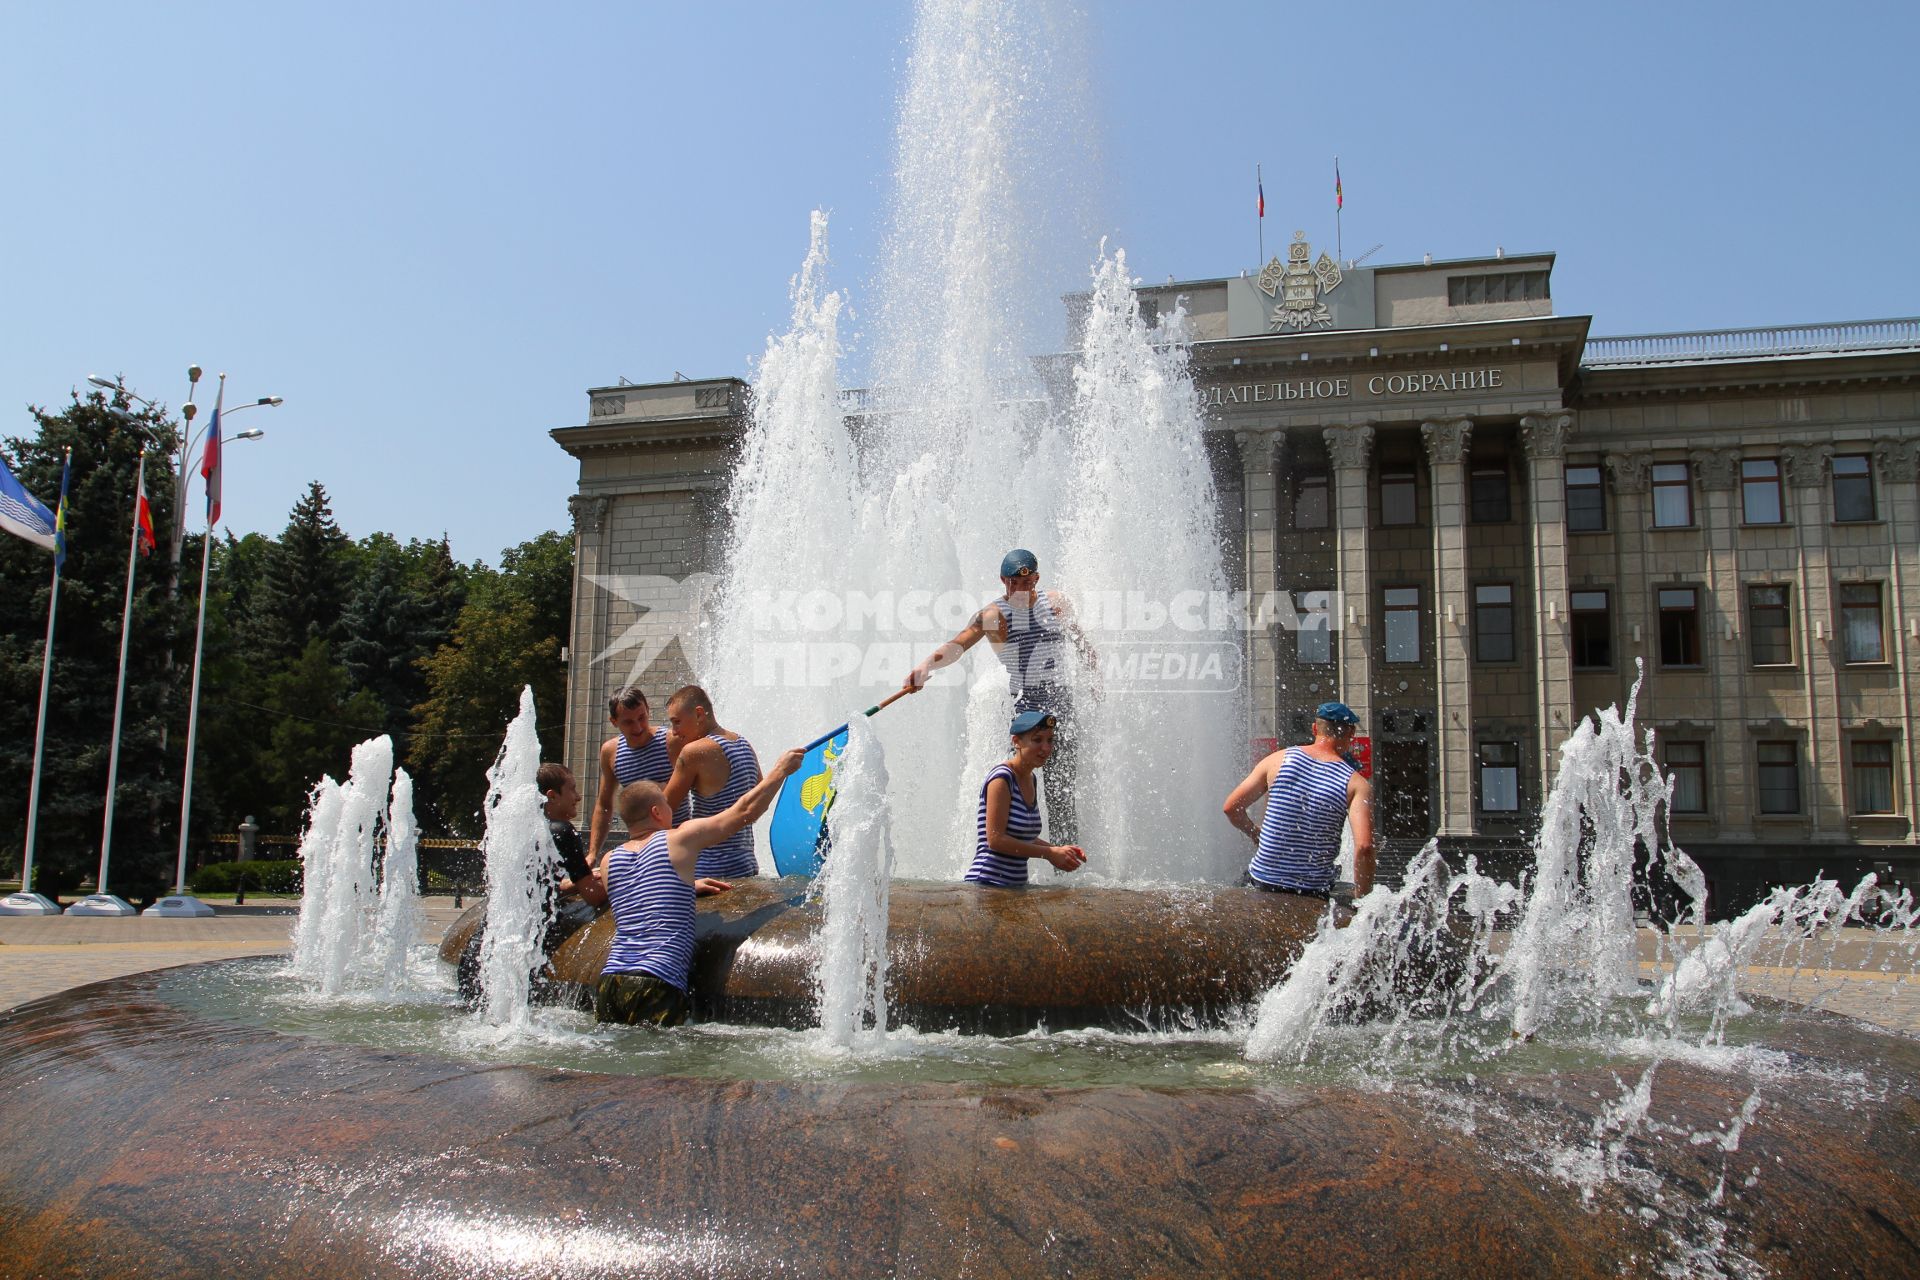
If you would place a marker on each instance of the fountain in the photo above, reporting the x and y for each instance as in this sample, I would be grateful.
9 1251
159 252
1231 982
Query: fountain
1154 1073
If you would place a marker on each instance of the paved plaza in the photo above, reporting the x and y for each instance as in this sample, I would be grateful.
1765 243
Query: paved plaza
1863 975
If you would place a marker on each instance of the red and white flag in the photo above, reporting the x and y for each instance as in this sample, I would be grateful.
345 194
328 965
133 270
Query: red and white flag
143 511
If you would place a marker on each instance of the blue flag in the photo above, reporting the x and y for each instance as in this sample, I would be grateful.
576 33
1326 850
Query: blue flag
24 515
798 830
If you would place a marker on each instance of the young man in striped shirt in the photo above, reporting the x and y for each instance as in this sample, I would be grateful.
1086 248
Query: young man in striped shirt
1312 792
714 767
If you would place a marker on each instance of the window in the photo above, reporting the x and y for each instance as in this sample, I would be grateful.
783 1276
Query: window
1779 777
1503 286
1586 500
1760 491
1310 505
1873 777
1686 764
1313 638
1399 498
1769 626
1679 627
1592 631
1672 496
1491 502
1493 622
1852 488
1500 777
1403 624
1860 622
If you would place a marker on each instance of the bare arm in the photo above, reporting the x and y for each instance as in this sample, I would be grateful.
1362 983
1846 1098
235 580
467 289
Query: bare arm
1360 818
1251 788
1063 609
952 651
687 769
602 804
1067 857
685 841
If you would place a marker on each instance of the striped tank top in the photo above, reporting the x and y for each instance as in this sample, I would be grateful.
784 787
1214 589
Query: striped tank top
649 762
652 913
1034 653
1300 833
732 858
1023 823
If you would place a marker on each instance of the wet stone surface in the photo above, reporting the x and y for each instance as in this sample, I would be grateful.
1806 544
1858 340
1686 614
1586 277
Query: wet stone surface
145 1141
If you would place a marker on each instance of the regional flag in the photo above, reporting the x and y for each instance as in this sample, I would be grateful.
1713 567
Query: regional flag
210 458
60 516
22 514
1339 196
143 512
1261 189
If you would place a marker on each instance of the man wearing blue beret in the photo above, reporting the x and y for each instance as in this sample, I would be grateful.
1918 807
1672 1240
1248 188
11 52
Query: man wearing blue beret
1312 792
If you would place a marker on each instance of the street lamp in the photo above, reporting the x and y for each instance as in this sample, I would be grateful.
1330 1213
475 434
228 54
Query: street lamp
180 902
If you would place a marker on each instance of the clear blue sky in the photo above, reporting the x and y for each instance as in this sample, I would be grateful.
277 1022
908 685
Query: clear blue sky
431 226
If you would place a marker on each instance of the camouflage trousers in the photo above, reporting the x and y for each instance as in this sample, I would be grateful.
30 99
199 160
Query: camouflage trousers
638 999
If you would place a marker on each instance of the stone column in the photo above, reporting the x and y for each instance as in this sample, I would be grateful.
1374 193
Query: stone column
1629 476
1448 443
1896 467
1543 437
1348 450
1718 471
588 637
1259 506
1803 477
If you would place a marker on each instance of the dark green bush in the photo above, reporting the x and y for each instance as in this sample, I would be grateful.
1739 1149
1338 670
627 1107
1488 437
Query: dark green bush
261 877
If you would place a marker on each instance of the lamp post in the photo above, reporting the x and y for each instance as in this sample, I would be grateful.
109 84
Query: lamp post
180 902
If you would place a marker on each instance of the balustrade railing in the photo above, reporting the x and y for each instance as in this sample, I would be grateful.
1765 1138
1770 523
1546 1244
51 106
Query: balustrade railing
1752 344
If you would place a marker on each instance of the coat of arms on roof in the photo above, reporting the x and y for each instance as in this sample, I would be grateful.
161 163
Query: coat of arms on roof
1300 284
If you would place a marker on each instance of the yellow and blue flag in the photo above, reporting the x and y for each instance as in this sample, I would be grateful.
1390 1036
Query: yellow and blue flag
60 515
797 831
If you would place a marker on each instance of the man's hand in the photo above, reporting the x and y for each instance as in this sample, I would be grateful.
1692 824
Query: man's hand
789 762
1067 857
917 679
707 886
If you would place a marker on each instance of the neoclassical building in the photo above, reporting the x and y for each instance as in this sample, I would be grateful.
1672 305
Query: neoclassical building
1509 519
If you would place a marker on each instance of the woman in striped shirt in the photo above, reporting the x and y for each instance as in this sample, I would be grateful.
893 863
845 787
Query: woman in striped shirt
1312 792
1007 830
650 886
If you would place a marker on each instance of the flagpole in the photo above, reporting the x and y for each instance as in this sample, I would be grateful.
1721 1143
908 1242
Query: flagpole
1260 218
46 674
199 641
120 691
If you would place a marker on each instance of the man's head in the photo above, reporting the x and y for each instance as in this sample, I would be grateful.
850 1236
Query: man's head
690 713
627 710
643 807
1019 569
556 783
1336 722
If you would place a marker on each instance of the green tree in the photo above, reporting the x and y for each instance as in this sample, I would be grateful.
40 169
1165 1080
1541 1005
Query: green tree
316 719
106 446
304 584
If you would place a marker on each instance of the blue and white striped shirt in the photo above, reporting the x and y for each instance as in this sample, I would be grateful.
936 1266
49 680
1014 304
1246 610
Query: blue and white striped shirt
1300 832
1023 823
652 913
649 762
1034 653
732 858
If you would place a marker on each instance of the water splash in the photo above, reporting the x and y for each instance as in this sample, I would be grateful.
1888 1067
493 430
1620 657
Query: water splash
400 915
851 975
520 859
340 902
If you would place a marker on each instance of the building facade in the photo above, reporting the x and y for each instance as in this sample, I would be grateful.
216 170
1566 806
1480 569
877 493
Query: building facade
1505 522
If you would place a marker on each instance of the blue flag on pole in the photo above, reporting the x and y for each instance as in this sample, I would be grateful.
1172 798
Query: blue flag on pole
798 829
24 515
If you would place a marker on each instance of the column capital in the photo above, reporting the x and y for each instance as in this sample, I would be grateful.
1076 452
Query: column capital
1348 445
1544 435
1628 471
1716 468
1257 447
1447 440
589 511
1805 465
1898 460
